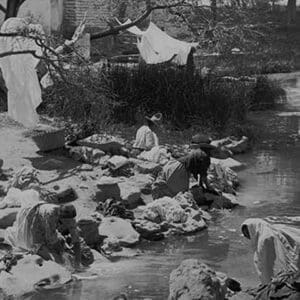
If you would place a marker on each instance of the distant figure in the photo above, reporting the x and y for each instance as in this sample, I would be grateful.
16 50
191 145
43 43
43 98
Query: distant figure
276 246
146 137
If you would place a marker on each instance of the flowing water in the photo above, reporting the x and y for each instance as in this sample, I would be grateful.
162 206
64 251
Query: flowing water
270 186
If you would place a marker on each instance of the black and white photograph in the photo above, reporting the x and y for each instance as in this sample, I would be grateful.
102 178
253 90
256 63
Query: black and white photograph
149 149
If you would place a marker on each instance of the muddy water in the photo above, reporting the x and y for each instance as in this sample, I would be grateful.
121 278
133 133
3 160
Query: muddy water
270 186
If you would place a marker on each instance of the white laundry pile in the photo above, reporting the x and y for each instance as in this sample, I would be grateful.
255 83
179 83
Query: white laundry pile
19 71
155 46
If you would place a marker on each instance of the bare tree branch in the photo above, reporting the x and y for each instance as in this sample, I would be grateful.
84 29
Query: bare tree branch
149 9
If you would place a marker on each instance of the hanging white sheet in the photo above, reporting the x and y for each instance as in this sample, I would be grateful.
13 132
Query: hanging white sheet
155 46
19 72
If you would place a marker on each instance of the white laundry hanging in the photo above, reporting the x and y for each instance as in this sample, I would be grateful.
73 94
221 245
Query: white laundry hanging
19 72
156 46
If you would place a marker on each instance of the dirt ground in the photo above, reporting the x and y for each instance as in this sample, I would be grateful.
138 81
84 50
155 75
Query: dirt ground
54 169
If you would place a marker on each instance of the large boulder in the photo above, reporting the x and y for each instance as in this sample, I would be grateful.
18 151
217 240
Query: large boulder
193 280
33 273
120 229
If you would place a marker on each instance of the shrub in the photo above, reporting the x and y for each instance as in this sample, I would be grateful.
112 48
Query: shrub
116 94
265 94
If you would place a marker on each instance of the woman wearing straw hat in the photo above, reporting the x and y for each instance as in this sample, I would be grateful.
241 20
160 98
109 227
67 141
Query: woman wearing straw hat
146 137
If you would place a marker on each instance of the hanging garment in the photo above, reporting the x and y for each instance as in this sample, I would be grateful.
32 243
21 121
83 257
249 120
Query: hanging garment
276 246
19 71
156 46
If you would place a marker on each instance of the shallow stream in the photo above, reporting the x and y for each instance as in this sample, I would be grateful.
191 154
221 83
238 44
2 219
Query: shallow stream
270 185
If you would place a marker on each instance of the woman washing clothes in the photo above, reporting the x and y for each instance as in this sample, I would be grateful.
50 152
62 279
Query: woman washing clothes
276 247
48 230
175 177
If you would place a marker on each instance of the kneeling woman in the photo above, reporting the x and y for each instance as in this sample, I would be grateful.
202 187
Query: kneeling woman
48 230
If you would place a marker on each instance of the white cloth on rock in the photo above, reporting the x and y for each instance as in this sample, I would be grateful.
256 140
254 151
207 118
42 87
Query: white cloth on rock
157 154
156 46
276 246
19 71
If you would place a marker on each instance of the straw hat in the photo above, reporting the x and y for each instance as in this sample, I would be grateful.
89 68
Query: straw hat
155 119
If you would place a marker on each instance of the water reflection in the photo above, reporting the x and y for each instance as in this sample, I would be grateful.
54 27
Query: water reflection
270 187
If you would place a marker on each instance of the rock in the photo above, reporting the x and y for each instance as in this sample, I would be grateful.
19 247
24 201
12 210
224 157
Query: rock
66 194
88 230
130 194
120 229
117 162
148 230
52 164
147 167
132 188
194 280
8 217
240 146
228 163
32 273
86 168
15 197
108 188
1 163
224 201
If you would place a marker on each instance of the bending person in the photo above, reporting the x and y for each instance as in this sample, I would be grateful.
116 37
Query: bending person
175 177
276 246
43 228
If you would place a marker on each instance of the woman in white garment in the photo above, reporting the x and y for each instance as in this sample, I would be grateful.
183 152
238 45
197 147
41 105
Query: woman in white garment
276 246
146 137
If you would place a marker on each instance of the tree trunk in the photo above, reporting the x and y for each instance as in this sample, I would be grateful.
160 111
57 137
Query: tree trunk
291 12
12 8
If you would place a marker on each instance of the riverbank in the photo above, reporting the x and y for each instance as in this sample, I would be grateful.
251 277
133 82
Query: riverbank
269 186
